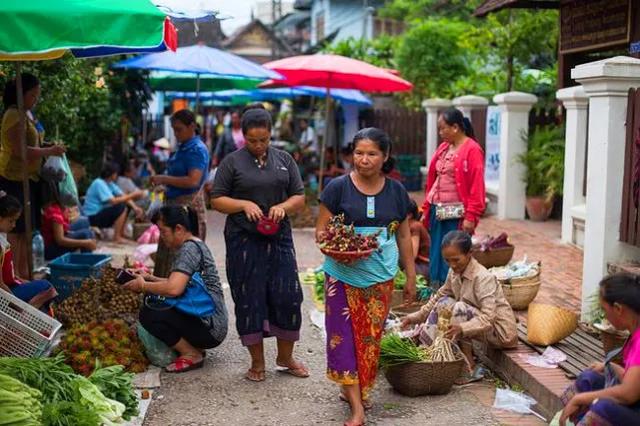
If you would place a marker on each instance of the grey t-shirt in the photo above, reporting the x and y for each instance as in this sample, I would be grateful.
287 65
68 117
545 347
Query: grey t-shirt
189 260
240 177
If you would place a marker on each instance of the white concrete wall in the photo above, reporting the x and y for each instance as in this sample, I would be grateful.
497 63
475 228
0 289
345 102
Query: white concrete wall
606 83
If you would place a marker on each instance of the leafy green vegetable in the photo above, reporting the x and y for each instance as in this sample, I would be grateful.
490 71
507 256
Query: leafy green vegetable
117 384
399 280
395 350
65 413
19 403
109 411
51 376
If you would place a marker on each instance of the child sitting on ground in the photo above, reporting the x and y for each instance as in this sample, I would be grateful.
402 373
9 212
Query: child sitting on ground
38 293
60 234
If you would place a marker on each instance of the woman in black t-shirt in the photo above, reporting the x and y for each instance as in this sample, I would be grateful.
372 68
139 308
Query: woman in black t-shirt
358 294
253 184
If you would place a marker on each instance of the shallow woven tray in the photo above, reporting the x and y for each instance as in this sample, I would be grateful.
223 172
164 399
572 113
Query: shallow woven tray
347 256
497 257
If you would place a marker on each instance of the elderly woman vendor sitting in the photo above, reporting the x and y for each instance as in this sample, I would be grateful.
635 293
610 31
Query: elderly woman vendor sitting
475 299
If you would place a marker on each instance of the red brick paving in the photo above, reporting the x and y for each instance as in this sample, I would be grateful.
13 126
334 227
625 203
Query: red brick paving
540 241
561 263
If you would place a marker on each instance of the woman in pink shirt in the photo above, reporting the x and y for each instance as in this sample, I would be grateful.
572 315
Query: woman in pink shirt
455 185
608 393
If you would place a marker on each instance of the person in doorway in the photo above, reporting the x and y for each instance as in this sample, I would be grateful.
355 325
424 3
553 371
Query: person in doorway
358 295
420 241
106 206
455 192
11 164
476 301
231 139
608 393
189 335
259 187
187 172
38 293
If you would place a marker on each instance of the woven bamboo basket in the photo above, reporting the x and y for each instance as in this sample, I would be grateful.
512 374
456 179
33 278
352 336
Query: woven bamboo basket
424 378
547 324
397 298
497 257
521 291
402 310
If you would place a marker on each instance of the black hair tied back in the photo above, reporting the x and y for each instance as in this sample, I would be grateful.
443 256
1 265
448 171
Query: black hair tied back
623 289
254 116
10 95
453 116
382 140
459 239
172 216
9 205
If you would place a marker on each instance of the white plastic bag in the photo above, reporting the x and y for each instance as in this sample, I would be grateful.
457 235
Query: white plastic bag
53 170
518 402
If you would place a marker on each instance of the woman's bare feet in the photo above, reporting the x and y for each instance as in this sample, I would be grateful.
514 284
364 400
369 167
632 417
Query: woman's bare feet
357 417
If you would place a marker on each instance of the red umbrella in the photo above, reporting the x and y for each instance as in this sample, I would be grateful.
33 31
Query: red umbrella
336 72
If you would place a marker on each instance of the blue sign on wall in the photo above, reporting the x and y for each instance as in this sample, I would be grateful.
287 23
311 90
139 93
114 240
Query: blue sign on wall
492 146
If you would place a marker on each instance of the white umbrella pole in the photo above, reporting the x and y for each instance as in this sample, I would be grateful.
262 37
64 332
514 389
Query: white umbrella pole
22 126
197 93
325 138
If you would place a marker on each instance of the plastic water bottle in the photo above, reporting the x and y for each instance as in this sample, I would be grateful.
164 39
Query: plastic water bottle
37 247
313 183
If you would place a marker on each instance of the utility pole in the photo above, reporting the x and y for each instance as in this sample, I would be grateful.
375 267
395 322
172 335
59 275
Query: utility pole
276 14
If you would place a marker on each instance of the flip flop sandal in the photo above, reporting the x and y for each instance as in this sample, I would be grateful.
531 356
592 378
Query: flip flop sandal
368 405
258 373
300 371
182 365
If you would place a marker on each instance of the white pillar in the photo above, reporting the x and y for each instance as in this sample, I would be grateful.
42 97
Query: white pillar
433 106
468 103
514 127
606 84
576 102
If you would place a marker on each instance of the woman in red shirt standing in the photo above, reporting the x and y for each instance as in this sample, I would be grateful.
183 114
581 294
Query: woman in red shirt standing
455 193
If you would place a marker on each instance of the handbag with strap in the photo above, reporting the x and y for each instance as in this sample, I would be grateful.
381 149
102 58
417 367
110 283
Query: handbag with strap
195 300
447 211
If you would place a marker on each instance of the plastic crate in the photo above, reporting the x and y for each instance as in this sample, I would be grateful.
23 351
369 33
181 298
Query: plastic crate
69 270
412 183
24 330
409 165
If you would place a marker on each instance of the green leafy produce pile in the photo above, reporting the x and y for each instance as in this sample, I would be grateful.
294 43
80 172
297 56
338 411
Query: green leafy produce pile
19 403
316 279
396 350
46 391
115 383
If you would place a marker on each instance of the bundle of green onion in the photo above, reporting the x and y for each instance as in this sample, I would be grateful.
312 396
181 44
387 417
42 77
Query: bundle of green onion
396 350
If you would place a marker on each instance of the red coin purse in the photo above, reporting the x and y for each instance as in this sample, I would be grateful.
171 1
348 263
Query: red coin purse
267 226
